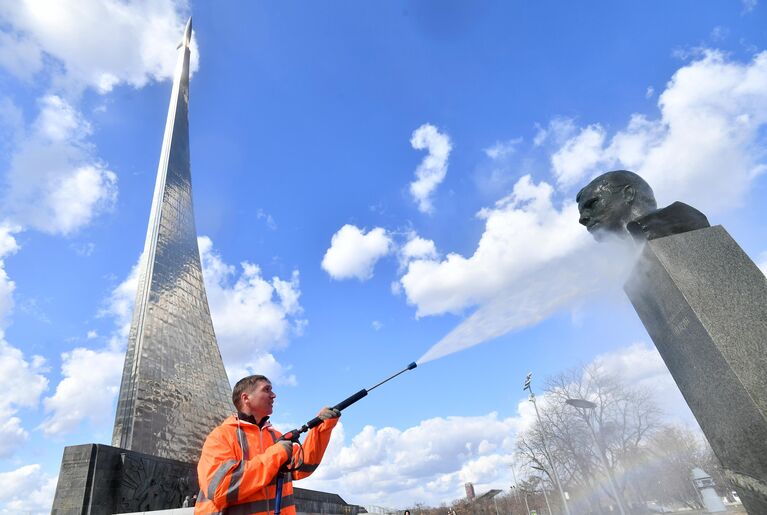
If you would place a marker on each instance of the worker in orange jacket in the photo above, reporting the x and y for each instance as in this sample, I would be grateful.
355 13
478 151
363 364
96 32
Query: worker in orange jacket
242 457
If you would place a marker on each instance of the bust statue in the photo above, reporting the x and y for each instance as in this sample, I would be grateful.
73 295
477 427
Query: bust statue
621 203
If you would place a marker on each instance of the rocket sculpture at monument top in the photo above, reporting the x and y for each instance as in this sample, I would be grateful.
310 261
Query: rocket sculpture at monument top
174 387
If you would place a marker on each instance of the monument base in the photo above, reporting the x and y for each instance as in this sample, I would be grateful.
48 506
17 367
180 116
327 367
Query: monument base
704 304
98 479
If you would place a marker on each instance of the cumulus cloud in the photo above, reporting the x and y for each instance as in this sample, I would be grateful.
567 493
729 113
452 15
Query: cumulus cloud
54 183
580 153
432 170
526 219
353 252
91 381
119 305
97 44
427 463
252 316
557 131
417 248
705 148
27 490
22 383
8 246
20 56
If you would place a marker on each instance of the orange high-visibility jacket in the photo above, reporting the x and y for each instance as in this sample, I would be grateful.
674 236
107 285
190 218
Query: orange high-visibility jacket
239 464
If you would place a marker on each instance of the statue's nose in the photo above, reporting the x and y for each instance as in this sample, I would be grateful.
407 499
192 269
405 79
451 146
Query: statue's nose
584 219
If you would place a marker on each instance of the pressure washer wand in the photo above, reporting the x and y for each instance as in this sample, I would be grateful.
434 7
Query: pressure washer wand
295 433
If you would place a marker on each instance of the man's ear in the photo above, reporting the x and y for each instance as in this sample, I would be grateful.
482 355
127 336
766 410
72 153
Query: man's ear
629 193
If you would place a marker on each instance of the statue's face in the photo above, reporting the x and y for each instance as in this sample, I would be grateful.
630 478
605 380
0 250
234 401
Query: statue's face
604 210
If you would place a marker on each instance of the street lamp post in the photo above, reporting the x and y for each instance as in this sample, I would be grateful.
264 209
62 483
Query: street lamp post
543 489
515 487
585 407
528 387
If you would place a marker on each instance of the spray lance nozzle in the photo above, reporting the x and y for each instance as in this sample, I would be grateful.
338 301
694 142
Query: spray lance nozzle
294 434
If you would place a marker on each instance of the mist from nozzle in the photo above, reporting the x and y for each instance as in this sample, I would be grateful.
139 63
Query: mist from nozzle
597 269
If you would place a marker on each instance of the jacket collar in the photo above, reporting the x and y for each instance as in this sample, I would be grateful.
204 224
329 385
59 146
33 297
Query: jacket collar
252 420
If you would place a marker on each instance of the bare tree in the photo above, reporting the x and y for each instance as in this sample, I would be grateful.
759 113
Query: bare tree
623 421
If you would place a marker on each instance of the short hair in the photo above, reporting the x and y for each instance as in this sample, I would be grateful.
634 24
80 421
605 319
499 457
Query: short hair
245 384
618 179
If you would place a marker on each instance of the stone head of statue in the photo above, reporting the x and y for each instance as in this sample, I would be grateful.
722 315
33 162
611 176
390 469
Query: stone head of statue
612 200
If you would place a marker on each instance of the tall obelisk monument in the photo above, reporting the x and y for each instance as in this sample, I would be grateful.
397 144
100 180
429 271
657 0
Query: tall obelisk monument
174 388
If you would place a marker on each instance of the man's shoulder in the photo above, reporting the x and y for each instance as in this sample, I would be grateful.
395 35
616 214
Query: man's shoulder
227 426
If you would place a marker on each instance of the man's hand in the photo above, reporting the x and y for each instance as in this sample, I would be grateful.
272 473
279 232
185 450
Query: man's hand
328 413
288 446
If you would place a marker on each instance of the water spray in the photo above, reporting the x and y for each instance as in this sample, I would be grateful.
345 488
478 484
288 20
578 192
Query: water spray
294 434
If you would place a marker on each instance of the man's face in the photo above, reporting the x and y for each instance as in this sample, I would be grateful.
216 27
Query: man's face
604 210
259 401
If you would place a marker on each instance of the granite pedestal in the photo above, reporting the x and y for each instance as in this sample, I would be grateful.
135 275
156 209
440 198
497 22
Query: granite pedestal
704 304
98 479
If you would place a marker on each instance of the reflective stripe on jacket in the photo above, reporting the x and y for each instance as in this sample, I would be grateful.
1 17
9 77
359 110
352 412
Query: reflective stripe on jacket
239 465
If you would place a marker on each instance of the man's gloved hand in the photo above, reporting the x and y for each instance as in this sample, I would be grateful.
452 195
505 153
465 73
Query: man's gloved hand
328 413
288 446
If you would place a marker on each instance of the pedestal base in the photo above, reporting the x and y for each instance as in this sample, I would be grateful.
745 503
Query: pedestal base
704 304
99 479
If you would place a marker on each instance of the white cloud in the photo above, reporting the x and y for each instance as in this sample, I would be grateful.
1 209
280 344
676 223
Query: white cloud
417 248
707 145
96 43
432 170
526 219
22 384
27 490
650 92
54 183
578 156
502 149
353 252
20 56
91 380
8 246
427 463
251 315
120 305
558 130
21 381
377 325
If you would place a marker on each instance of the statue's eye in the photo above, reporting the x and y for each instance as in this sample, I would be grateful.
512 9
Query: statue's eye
590 203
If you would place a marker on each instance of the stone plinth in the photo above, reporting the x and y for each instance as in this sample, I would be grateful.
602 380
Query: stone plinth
704 304
98 479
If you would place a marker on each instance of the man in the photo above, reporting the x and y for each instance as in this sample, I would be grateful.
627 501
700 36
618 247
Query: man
621 203
242 457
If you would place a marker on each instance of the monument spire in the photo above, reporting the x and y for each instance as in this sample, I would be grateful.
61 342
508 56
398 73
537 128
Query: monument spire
174 388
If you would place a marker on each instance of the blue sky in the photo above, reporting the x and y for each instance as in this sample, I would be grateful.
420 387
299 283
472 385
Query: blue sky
369 179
